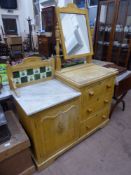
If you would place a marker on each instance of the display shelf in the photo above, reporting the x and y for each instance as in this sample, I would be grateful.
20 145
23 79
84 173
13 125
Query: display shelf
113 29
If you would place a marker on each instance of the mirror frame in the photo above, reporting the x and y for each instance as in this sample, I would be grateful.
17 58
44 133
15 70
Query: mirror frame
72 9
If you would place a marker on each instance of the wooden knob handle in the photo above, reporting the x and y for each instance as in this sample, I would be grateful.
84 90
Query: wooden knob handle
87 127
104 117
91 93
106 101
108 86
89 110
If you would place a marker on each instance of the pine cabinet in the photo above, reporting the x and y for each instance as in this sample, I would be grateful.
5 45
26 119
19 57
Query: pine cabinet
53 130
96 85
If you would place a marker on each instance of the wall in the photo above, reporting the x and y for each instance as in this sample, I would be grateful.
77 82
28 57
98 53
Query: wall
24 10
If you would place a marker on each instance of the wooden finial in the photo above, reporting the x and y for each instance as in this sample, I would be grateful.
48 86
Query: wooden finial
58 60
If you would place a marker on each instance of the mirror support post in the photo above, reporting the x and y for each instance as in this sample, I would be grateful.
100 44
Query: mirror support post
89 59
58 59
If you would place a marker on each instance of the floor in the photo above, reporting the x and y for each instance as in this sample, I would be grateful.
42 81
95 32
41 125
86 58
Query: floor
107 152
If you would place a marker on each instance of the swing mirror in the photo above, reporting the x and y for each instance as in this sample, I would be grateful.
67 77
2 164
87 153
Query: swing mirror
75 32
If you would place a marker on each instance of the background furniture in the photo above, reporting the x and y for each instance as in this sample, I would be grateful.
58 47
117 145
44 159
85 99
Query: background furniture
5 97
15 156
122 86
16 52
4 50
45 46
14 40
49 21
113 32
4 131
4 53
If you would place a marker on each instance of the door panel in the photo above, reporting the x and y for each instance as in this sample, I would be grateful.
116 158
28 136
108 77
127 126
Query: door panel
59 130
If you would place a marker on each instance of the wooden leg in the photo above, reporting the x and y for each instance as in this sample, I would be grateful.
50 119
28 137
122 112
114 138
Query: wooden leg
124 105
118 100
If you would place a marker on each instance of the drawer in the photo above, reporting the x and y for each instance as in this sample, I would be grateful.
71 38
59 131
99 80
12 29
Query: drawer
97 96
100 89
98 103
94 121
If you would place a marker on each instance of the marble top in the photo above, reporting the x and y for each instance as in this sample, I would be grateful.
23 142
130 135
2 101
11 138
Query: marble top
41 96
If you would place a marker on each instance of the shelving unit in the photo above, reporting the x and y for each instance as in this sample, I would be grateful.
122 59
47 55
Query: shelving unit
113 32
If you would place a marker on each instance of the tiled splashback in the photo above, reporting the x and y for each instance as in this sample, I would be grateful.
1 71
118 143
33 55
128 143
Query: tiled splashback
29 75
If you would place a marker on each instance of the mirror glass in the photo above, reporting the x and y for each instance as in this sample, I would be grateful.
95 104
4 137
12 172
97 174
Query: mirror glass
75 33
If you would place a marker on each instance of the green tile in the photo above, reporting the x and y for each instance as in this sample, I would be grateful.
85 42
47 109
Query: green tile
29 71
16 74
24 80
37 76
49 74
42 69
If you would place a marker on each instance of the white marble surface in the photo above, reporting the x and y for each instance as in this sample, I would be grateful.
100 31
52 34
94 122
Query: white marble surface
5 92
122 76
40 96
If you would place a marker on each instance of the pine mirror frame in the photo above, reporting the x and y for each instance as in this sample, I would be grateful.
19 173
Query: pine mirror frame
72 9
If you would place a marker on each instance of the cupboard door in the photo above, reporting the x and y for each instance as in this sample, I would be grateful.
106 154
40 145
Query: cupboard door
59 130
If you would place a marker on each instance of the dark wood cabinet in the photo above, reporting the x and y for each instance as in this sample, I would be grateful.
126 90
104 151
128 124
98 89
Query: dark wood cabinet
49 21
113 32
45 46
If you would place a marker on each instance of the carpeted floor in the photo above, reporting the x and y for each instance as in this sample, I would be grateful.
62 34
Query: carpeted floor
107 152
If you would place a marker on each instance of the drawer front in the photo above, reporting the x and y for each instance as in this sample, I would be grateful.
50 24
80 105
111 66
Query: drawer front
94 121
97 96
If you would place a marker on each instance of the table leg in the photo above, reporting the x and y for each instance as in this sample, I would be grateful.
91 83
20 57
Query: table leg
118 100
